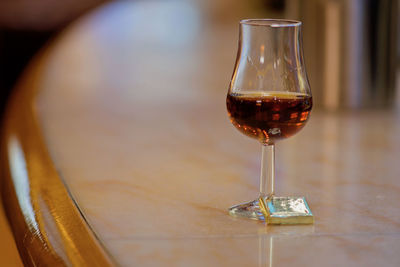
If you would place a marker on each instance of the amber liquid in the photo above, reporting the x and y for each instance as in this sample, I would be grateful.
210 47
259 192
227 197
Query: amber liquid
269 117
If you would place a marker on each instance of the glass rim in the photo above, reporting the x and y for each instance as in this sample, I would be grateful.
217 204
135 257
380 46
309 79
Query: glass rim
274 23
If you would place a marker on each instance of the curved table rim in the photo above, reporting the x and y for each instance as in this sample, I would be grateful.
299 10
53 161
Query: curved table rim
48 226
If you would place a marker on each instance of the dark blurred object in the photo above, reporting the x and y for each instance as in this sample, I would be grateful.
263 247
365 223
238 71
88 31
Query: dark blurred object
278 5
350 50
16 49
25 26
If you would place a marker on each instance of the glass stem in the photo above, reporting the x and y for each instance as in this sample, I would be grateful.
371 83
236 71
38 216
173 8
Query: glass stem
267 177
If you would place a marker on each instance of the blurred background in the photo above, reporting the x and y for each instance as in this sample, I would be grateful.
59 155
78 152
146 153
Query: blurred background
351 46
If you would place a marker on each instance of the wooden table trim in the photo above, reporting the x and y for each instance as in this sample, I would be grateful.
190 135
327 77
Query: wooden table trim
47 225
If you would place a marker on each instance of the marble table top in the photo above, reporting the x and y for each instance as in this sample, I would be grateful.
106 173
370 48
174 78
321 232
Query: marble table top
136 125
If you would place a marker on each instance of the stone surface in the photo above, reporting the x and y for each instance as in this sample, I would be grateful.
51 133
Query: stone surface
139 132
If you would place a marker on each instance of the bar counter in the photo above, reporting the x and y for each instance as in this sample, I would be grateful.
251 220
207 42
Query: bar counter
119 151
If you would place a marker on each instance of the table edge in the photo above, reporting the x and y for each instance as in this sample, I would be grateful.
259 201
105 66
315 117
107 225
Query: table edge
48 227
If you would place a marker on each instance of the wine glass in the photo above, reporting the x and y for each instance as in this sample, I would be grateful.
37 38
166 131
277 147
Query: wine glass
269 98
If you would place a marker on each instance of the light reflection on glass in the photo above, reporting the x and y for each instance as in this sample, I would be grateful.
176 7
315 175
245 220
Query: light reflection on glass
262 48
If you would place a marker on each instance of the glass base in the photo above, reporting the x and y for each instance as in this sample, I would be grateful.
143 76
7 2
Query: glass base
251 210
275 210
